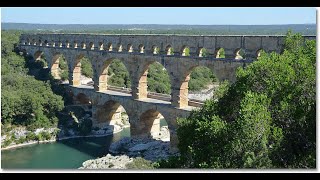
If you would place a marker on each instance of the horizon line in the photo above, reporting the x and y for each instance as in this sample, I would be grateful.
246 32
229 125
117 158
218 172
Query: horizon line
169 24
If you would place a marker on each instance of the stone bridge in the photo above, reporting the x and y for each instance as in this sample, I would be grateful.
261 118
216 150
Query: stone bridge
178 54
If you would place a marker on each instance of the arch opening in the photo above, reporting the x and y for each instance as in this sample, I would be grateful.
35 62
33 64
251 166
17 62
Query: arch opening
91 46
81 98
110 47
185 51
198 84
258 53
67 44
240 54
75 44
111 116
155 50
130 48
46 43
100 46
120 48
169 50
114 76
82 73
141 48
59 68
154 82
203 52
152 124
83 45
220 53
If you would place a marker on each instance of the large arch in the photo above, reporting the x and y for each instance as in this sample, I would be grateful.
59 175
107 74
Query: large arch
59 67
108 71
82 98
111 113
183 92
77 70
160 83
149 124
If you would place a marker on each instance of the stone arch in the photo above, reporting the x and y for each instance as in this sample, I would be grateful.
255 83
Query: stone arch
60 44
148 124
169 50
91 46
155 50
67 44
219 53
75 44
100 46
203 52
258 53
141 48
110 47
53 43
180 96
82 98
103 76
120 48
109 114
143 79
83 45
40 42
185 51
130 48
239 54
56 69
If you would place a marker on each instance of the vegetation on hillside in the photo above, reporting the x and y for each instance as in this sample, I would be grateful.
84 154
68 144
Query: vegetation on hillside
266 119
24 99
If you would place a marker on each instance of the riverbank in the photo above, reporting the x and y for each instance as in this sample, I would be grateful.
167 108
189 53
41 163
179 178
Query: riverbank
59 139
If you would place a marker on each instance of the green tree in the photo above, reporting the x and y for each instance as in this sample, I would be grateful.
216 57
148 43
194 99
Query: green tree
266 119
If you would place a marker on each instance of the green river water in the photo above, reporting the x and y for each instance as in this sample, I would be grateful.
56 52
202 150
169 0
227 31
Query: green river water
65 154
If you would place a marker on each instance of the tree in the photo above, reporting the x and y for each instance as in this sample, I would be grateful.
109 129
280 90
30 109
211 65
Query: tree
266 119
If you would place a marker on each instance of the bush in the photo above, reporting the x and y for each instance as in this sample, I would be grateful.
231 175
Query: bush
139 163
31 136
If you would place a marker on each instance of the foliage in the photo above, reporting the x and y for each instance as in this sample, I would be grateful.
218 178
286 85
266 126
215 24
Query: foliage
63 65
266 119
24 100
201 77
158 79
118 74
139 163
86 67
222 54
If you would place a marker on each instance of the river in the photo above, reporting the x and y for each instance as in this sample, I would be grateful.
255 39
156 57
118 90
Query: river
64 154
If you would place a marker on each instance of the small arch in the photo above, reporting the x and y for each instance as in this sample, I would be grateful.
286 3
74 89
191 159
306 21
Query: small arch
239 54
185 51
83 45
155 50
110 48
120 48
40 43
60 44
91 46
151 122
100 46
141 48
75 44
169 50
220 53
67 44
46 43
28 41
34 42
130 48
203 52
258 53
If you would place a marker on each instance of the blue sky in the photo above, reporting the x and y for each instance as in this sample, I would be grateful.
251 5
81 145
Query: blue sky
201 16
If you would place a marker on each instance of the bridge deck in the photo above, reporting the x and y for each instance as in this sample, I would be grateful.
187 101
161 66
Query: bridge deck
148 100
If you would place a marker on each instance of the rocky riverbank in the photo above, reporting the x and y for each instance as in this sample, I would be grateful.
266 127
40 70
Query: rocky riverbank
126 150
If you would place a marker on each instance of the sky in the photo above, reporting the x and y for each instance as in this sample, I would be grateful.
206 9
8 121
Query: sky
133 15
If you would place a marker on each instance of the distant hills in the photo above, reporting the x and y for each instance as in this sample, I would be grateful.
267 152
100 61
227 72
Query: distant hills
305 29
